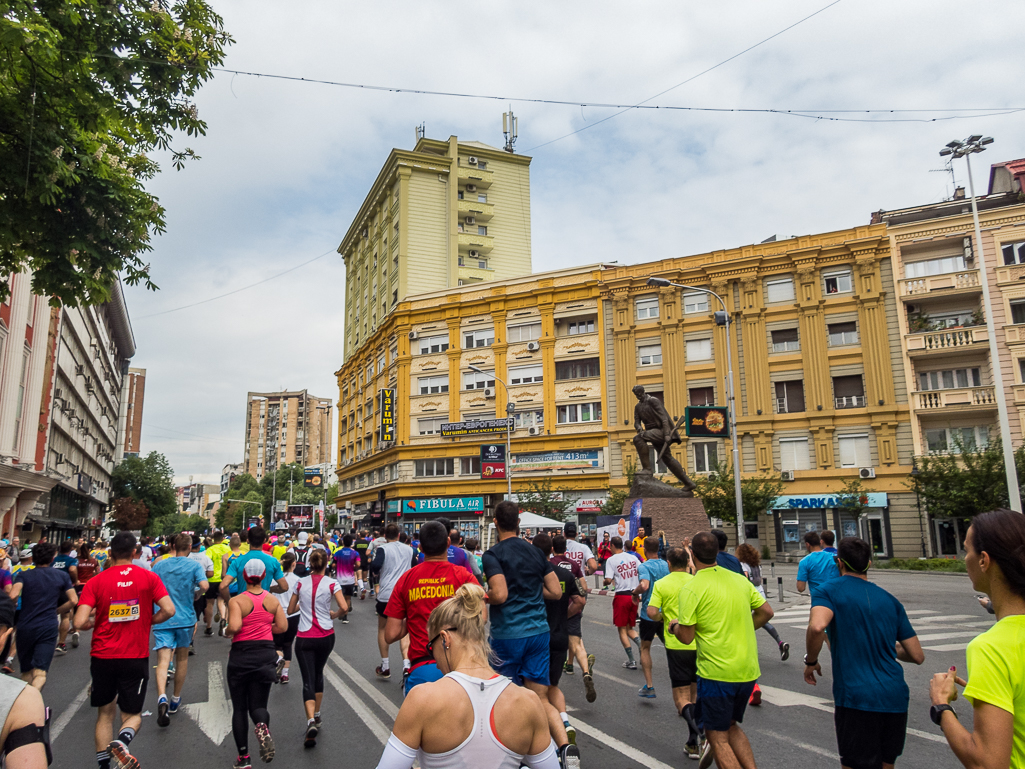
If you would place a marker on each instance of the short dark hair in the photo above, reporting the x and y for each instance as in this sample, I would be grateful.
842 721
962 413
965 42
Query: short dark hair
507 516
67 546
570 530
7 609
391 531
347 540
543 543
559 544
1001 535
855 554
196 541
705 547
471 543
123 545
813 539
257 536
433 538
446 522
403 537
218 535
720 538
677 557
43 553
651 544
827 537
455 536
616 542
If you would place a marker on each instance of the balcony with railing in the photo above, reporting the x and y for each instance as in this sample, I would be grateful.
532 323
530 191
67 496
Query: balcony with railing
950 340
961 398
960 282
849 402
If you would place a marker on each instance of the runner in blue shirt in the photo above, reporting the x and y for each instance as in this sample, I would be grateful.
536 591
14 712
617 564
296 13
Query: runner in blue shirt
272 574
649 572
817 568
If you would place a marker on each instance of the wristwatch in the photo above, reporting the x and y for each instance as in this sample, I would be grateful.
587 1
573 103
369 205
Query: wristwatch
810 663
936 713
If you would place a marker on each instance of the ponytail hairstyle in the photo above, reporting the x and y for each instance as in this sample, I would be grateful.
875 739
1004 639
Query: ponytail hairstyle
288 562
318 560
1001 534
466 612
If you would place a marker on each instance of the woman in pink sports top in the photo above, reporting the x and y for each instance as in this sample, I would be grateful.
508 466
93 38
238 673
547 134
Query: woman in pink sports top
253 617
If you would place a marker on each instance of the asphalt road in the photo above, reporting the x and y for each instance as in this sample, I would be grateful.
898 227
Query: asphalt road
792 729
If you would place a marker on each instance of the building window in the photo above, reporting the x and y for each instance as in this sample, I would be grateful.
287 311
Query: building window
701 396
579 412
432 468
433 384
1018 311
699 349
1021 370
433 344
950 379
650 354
842 333
928 267
19 406
1014 253
848 392
706 456
581 327
473 380
794 454
695 302
526 333
780 290
484 337
785 340
854 451
839 282
459 195
790 397
647 308
430 425
526 374
522 419
482 230
577 369
954 439
469 465
393 472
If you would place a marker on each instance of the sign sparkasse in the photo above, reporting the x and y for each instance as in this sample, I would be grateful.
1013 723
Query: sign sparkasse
387 415
492 462
476 427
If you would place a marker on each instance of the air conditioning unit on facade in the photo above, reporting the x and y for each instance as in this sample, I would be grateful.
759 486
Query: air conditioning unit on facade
470 220
474 254
533 346
471 187
786 475
867 472
489 392
413 336
472 160
533 431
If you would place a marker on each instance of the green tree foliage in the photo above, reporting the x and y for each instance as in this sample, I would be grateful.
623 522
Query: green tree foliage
853 497
176 523
967 481
540 498
87 89
231 516
147 480
718 493
128 514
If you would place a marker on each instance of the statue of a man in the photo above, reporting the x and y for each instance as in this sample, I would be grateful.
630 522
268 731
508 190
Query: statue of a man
653 425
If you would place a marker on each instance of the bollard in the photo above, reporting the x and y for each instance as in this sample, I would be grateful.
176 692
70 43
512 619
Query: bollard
779 584
765 585
773 567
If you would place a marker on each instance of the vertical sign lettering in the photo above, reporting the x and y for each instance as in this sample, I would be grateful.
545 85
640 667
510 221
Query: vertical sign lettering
387 415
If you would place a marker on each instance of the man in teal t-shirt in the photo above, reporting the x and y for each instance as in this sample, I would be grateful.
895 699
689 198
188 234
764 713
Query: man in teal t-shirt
272 574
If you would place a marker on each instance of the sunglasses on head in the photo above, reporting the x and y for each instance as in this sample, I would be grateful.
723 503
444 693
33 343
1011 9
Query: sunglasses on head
430 644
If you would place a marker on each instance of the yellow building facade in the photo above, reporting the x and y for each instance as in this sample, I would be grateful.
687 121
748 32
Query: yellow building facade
444 214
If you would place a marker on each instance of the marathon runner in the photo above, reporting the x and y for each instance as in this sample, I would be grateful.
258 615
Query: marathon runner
67 563
118 604
361 546
203 609
649 572
391 560
347 571
623 570
560 555
283 641
213 596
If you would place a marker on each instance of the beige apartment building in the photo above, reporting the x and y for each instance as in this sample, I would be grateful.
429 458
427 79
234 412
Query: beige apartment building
446 214
950 375
286 427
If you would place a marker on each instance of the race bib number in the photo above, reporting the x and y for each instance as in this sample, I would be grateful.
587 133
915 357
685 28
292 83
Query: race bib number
123 611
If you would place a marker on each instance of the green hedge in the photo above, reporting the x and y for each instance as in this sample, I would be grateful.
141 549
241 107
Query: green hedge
954 565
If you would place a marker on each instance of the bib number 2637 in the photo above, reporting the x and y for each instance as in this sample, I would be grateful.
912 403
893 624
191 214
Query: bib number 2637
123 611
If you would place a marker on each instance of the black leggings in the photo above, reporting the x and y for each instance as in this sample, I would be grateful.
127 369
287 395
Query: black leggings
312 654
250 676
283 641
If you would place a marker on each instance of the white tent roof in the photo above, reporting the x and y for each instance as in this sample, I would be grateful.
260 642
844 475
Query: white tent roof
533 521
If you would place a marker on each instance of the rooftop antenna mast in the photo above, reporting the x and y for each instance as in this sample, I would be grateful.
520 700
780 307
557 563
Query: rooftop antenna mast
948 168
511 129
421 131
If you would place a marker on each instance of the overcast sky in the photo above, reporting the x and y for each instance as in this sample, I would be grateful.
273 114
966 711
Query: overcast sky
286 165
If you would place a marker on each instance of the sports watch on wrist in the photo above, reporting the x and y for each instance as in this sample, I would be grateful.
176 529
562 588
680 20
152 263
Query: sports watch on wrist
810 663
936 713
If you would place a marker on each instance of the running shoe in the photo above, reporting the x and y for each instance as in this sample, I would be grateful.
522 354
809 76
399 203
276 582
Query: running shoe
61 649
568 668
217 616
75 639
318 720
692 750
705 758
284 677
266 743
162 718
590 663
571 734
120 758
170 671
630 665
589 693
208 631
175 705
405 677
224 626
382 673
345 620
362 594
647 692
192 650
243 762
569 757
756 697
310 740
784 652
278 669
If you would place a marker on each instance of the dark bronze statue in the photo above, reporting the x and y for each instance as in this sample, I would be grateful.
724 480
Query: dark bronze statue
654 425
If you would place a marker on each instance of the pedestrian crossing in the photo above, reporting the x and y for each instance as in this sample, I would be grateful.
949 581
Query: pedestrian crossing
927 623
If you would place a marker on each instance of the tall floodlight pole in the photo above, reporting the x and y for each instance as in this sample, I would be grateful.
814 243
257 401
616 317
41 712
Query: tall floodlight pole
963 149
510 407
722 319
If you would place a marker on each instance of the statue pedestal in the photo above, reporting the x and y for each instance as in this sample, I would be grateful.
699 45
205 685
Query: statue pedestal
678 518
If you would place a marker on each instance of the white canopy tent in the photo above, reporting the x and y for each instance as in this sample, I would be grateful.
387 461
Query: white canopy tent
534 521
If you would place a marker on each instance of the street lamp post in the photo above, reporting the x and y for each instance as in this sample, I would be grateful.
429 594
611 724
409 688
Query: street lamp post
963 149
722 319
510 409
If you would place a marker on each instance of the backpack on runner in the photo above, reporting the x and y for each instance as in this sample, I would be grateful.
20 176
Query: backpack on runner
302 555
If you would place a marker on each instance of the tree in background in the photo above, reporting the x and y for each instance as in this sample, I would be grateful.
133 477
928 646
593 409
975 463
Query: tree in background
541 499
718 493
853 497
231 515
87 89
128 514
147 480
176 523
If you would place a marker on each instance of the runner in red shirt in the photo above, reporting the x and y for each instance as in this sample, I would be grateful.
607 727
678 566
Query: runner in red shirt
414 597
118 603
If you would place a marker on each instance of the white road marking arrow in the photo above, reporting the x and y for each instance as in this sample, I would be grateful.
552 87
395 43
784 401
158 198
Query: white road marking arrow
214 715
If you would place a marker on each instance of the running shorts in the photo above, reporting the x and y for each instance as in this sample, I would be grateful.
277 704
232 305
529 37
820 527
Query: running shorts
36 646
683 666
867 739
624 611
381 606
721 703
124 680
214 591
573 624
556 664
172 638
523 658
423 674
649 629
348 590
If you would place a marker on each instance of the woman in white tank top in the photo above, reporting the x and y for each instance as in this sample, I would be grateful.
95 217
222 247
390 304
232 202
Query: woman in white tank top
472 718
